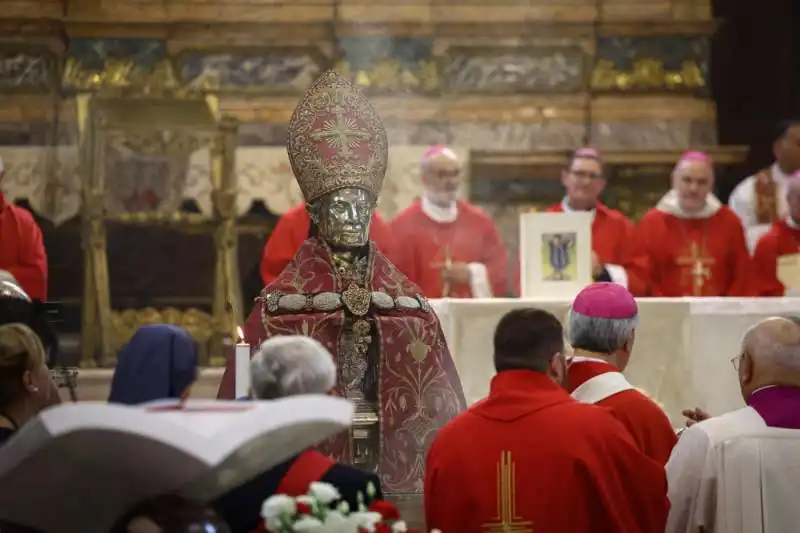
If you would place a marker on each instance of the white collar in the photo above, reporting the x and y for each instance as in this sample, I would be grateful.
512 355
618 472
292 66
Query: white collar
669 204
567 209
778 175
443 215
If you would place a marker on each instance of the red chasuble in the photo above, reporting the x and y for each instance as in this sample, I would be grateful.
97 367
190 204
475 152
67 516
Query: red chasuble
604 385
419 388
780 240
426 244
22 249
695 257
529 458
292 230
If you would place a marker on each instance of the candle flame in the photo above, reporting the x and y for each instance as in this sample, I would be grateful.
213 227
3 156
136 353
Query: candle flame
239 334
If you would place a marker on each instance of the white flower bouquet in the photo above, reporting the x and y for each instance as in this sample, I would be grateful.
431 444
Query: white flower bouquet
321 511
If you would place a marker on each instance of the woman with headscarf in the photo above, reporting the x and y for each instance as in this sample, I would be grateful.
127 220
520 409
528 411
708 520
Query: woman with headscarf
158 363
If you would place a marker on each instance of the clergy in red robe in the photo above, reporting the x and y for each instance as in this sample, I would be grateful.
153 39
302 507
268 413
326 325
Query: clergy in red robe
782 240
695 246
613 256
450 247
529 458
293 228
339 289
602 327
22 248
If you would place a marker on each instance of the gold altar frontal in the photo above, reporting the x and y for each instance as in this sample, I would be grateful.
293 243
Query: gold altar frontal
94 385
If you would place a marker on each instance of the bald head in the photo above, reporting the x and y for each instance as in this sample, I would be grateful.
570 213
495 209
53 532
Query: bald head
774 342
441 175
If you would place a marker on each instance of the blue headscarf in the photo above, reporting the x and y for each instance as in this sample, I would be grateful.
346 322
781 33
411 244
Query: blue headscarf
158 363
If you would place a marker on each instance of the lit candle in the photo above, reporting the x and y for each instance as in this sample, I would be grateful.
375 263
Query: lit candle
242 366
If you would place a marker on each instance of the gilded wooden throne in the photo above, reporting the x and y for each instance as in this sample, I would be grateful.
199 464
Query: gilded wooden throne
156 120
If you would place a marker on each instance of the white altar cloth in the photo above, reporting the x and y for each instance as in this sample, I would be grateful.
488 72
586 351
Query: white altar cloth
682 355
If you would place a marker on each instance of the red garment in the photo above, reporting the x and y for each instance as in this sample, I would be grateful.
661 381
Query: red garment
309 466
719 241
471 238
292 230
611 241
530 458
780 240
22 249
419 388
645 420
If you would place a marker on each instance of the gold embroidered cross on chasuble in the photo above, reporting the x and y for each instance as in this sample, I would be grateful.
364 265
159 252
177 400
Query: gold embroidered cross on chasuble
697 265
507 520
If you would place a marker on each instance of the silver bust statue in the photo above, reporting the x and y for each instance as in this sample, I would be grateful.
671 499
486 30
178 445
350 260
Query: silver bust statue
342 217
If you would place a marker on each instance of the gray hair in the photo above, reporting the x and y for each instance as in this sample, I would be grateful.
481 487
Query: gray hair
291 365
774 340
600 335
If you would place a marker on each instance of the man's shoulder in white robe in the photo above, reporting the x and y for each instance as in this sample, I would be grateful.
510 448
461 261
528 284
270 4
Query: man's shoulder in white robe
688 469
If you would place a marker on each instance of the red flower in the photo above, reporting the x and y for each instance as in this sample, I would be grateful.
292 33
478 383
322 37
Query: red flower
303 508
383 527
387 510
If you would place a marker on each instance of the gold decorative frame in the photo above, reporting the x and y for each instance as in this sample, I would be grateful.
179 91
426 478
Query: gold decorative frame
140 107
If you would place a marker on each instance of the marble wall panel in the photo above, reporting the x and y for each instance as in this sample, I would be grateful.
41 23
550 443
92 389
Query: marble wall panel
653 135
266 71
652 64
517 70
27 69
389 64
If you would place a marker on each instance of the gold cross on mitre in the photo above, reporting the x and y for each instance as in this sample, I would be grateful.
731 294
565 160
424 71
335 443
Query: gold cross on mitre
507 520
342 133
443 265
698 263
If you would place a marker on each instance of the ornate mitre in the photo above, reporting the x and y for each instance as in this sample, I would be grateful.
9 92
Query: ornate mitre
336 140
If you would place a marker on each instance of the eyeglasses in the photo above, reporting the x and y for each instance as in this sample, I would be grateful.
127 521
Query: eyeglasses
735 361
585 174
448 173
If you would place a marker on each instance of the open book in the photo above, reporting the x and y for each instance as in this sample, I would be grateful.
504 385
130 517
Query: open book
77 468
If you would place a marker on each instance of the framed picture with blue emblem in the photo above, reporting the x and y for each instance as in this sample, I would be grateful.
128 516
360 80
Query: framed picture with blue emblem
555 254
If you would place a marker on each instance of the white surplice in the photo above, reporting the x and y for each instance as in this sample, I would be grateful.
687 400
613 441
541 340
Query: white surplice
743 202
722 470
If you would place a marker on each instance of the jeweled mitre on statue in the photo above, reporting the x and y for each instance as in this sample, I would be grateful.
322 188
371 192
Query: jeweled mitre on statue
392 358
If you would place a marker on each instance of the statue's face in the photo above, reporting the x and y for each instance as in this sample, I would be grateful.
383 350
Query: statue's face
343 217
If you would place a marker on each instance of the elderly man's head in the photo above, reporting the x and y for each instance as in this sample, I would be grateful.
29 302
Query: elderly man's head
603 321
290 365
770 355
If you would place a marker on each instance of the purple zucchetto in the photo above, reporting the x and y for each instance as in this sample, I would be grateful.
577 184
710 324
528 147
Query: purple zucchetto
605 300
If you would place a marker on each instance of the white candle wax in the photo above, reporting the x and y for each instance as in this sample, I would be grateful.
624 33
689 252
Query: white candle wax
242 363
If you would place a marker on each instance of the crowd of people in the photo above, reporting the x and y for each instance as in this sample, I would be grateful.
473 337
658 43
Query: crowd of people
563 442
568 443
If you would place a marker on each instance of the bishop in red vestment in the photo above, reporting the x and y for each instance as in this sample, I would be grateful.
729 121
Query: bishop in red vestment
529 458
602 327
613 256
450 247
782 239
341 290
695 246
293 228
22 248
